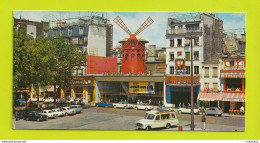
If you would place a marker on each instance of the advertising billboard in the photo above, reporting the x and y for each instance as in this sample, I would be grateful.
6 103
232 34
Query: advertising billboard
141 87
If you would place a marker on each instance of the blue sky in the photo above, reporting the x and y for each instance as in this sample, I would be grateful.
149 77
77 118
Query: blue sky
155 34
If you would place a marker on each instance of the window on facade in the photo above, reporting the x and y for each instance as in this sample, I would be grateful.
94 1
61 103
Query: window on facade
196 41
81 30
215 86
187 69
75 40
196 55
171 70
171 43
196 69
206 72
206 85
69 32
138 56
172 56
132 56
172 27
126 56
179 42
187 56
180 26
179 54
215 72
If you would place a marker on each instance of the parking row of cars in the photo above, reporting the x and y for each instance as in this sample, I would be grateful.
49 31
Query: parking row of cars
46 114
123 104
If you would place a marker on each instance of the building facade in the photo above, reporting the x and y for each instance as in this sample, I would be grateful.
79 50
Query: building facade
207 34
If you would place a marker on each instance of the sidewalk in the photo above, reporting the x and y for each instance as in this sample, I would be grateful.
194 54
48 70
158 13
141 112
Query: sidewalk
237 116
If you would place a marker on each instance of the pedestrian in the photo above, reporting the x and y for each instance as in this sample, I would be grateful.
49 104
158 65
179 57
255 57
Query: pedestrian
183 105
116 100
159 103
126 106
242 108
138 102
150 101
203 119
188 104
141 102
180 105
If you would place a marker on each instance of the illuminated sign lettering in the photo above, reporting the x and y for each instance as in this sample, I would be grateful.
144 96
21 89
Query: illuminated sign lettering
181 80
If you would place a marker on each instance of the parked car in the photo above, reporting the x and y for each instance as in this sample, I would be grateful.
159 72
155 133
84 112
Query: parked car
77 108
59 112
143 106
77 101
49 113
19 114
212 111
62 101
47 105
35 116
68 110
169 107
104 104
49 99
157 119
187 110
35 99
123 105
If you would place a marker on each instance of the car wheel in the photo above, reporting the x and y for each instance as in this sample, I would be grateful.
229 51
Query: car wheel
148 128
220 115
136 108
66 114
168 125
179 112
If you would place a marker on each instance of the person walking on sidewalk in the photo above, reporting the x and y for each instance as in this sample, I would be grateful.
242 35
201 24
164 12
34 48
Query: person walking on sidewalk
203 119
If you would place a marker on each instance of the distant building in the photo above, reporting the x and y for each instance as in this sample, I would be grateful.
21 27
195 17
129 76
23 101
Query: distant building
33 28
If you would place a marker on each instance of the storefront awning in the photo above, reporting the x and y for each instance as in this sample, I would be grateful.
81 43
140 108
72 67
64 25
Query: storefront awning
203 96
233 74
235 97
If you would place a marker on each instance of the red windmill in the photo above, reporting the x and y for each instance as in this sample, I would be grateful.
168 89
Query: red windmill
133 48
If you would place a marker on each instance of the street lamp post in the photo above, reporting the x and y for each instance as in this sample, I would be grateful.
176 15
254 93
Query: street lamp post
191 37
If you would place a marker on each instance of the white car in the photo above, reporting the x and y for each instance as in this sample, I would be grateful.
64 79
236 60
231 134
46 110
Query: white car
49 99
122 105
49 114
68 110
143 107
35 99
77 108
187 110
157 119
59 112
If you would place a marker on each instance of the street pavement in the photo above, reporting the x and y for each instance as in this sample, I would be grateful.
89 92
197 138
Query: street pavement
99 118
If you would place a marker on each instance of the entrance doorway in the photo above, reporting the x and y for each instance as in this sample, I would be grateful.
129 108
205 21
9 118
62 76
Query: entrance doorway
182 95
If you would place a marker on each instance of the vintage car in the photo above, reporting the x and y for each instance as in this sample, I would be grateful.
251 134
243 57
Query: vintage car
35 99
143 106
123 105
169 107
77 108
187 110
59 112
212 111
104 104
77 101
157 119
50 113
35 116
68 111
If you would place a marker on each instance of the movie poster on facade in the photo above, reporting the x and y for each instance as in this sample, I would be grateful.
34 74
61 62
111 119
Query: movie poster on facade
141 87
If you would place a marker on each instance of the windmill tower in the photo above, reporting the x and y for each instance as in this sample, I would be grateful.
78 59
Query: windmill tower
133 48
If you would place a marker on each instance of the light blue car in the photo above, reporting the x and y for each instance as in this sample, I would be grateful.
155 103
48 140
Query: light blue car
104 104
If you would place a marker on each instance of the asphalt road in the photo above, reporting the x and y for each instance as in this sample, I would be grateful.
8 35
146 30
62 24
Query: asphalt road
99 118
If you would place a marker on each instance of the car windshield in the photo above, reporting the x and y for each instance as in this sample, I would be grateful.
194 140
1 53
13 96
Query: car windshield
149 116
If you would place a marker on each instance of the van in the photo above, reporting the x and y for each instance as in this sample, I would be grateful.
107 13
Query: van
157 119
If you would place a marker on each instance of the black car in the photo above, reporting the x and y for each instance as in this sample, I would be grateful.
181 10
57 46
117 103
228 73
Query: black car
19 114
35 116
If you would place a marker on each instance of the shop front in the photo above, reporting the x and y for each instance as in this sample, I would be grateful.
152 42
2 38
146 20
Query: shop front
178 90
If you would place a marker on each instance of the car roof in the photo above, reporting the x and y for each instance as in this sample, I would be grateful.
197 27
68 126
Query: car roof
159 112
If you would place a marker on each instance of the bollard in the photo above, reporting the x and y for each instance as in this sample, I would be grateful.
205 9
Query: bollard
180 128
